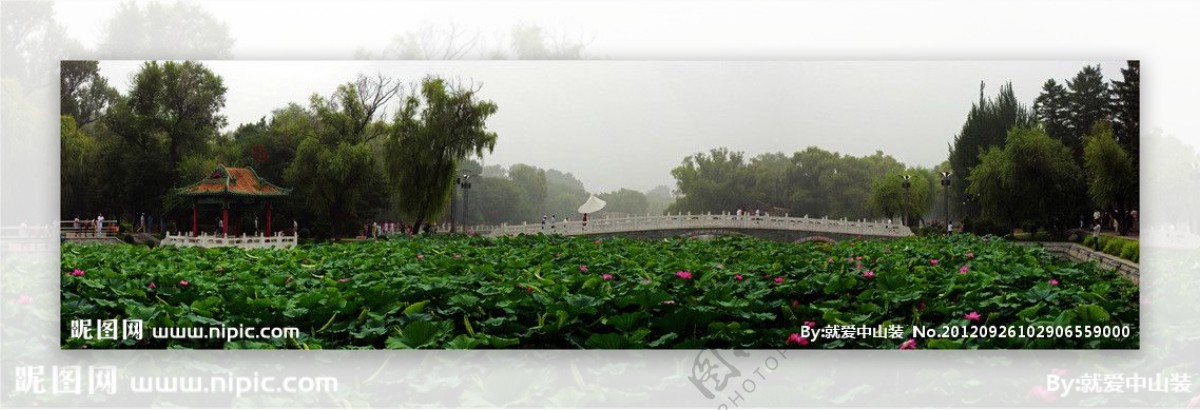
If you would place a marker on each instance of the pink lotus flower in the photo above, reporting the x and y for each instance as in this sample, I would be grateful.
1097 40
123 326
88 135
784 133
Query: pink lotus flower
684 274
596 242
810 324
737 276
24 300
420 256
606 276
964 269
795 304
183 283
153 285
921 306
869 274
1040 392
858 266
343 280
910 344
778 279
795 338
529 289
1053 282
583 268
78 272
720 266
646 281
858 258
457 256
970 255
973 316
830 260
933 262
849 259
220 269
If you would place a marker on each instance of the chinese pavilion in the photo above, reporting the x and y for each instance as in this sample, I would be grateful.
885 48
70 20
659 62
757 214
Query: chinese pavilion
231 187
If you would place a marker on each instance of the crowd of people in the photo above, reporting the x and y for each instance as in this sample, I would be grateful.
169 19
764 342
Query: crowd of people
1110 220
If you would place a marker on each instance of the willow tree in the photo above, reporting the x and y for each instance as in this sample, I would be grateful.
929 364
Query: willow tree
1111 176
434 130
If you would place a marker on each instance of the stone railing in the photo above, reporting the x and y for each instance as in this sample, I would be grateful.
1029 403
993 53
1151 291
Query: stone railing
1080 253
245 242
707 222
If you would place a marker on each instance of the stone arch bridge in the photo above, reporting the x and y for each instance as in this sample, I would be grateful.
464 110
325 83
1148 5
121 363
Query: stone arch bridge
785 229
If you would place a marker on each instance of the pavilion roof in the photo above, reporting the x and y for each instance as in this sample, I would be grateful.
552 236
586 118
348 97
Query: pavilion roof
233 181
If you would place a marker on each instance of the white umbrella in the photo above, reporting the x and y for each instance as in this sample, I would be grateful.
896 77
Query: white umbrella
592 205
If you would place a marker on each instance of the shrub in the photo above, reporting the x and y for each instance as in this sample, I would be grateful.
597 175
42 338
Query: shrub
1130 251
985 227
1113 246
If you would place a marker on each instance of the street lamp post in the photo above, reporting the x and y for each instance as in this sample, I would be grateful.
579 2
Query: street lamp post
906 184
454 205
466 186
946 199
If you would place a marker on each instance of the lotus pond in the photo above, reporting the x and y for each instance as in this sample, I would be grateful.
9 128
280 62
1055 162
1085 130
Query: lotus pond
540 292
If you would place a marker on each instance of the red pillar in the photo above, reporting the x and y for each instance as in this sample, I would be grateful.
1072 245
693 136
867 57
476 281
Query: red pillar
268 218
225 219
195 217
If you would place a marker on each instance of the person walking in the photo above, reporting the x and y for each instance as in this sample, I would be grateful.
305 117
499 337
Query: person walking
553 218
543 222
142 223
100 224
585 221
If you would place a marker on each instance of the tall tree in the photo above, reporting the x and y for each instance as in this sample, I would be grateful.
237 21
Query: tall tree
79 154
163 30
564 194
179 101
1111 179
626 201
1127 109
336 172
1089 102
987 126
1053 110
435 129
890 199
659 199
531 187
714 182
83 93
1032 182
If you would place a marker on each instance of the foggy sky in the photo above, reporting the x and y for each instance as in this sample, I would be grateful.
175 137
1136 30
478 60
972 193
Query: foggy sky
626 124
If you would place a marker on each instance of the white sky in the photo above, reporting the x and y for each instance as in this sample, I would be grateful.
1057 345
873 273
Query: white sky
625 124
